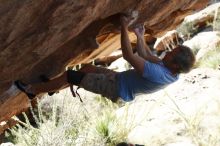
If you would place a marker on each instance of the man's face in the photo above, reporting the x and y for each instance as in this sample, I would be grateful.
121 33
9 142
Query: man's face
168 60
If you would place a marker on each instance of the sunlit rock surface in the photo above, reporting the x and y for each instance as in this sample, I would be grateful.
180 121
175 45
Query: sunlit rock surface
44 37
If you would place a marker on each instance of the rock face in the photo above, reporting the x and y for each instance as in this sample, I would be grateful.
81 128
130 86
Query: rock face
44 37
204 42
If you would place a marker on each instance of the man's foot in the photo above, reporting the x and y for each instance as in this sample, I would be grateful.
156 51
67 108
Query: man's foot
24 88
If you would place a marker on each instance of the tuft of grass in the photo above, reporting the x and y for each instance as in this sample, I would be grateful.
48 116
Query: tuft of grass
103 127
211 59
111 128
216 21
23 133
192 124
108 128
52 129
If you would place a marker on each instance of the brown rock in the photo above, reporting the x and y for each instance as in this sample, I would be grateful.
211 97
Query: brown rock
168 41
43 37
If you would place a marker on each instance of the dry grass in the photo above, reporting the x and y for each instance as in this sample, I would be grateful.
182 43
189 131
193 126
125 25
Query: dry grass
70 122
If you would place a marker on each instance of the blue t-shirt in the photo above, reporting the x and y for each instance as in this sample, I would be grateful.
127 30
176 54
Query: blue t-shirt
155 77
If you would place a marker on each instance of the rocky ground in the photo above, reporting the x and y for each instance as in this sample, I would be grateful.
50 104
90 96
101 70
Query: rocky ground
185 113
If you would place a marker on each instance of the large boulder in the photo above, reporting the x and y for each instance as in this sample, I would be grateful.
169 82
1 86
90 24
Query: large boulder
205 20
204 42
44 37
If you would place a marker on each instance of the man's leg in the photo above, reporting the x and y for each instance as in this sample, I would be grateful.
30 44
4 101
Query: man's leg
104 84
61 81
88 68
94 79
70 76
50 86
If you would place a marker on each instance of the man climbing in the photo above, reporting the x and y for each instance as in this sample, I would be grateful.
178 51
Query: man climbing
148 75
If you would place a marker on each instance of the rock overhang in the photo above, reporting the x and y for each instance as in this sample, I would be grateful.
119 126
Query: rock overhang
43 37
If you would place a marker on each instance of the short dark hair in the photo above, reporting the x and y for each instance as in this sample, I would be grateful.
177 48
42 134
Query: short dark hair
185 59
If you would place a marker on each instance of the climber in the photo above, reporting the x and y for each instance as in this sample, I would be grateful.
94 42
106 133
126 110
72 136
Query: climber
150 73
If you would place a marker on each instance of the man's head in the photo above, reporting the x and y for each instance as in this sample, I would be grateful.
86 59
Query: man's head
180 60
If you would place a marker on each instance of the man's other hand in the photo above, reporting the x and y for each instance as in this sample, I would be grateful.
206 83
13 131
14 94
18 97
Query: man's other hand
139 30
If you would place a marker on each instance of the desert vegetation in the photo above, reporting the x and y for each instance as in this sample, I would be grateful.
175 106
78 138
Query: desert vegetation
186 113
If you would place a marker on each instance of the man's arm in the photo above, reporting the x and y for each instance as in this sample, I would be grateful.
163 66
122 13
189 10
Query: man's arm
136 61
142 48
